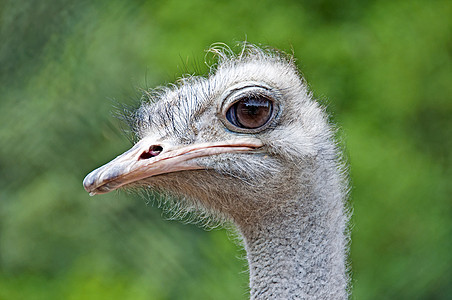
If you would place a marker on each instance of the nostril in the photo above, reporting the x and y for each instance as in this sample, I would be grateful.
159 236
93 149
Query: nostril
153 151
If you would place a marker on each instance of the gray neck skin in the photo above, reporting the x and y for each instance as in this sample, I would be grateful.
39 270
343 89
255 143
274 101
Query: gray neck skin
299 252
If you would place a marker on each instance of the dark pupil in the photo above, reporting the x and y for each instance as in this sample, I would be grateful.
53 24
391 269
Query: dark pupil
252 112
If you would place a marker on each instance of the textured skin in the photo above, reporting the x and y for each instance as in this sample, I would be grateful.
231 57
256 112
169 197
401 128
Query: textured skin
287 199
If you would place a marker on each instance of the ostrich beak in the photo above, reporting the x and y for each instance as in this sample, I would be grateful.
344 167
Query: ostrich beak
149 158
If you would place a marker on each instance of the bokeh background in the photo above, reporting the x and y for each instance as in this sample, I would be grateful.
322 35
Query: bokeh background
66 67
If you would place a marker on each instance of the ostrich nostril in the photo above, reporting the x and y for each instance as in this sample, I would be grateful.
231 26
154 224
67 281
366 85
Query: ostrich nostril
153 151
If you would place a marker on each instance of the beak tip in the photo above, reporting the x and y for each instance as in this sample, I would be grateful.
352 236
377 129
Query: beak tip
88 183
91 184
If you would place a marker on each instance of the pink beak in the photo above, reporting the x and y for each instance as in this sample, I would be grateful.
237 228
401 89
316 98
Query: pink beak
149 158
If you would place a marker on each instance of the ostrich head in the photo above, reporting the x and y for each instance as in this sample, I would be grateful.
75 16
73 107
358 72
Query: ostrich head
246 144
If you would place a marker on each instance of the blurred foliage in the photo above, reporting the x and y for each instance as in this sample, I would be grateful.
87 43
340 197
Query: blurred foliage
383 68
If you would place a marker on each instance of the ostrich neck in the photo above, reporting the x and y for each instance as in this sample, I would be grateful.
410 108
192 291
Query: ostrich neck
299 252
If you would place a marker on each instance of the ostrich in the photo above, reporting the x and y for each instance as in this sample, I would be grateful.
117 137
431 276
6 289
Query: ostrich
249 145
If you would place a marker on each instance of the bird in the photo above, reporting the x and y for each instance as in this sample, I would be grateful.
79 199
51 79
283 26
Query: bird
249 145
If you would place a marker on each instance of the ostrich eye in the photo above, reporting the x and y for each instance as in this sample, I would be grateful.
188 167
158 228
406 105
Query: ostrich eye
250 112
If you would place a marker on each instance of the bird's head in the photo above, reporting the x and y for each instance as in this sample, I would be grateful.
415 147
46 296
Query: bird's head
233 142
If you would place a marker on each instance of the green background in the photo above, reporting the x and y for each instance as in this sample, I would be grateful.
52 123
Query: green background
382 67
